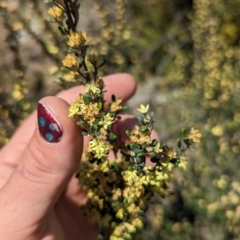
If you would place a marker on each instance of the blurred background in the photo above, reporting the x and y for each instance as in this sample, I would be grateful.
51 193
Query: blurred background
185 56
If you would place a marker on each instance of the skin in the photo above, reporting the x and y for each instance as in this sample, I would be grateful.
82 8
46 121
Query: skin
39 197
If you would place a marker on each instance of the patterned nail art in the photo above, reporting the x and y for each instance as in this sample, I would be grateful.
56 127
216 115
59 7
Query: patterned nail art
49 127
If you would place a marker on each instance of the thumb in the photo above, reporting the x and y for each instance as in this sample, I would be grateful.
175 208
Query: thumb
47 165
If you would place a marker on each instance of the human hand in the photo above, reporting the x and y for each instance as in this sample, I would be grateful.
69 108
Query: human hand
39 197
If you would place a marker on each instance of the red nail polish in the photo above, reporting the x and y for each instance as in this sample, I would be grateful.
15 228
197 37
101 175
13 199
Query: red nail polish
49 127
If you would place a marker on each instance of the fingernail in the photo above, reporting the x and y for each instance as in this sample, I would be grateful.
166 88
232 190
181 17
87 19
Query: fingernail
49 127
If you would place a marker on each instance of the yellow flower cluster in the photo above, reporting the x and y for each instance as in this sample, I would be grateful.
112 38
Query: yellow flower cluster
156 149
106 121
195 135
55 12
99 148
116 106
87 111
92 87
70 61
77 39
133 194
139 137
230 203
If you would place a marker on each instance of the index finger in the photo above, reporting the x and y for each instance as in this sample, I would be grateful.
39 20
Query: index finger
122 85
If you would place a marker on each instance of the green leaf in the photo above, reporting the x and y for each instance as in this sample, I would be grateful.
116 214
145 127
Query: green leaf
184 132
86 98
112 136
97 133
99 105
154 142
62 31
124 153
141 119
133 146
175 161
143 128
179 143
152 154
128 133
80 123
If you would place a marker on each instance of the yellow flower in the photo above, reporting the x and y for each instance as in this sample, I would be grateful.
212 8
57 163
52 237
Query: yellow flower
195 135
89 112
143 109
106 121
139 137
157 148
120 213
71 76
170 153
115 106
130 228
69 61
117 193
183 163
99 148
55 12
73 110
137 222
77 39
93 88
104 166
133 209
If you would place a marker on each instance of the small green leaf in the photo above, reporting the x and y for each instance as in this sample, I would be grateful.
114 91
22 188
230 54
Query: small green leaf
112 136
124 153
132 160
86 98
175 161
62 31
64 68
143 128
184 132
154 142
137 150
80 123
133 146
179 143
152 154
97 133
141 120
99 105
128 133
